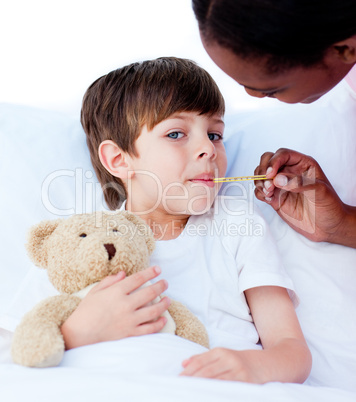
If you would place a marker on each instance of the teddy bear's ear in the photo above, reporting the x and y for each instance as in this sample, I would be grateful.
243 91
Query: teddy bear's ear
143 228
36 241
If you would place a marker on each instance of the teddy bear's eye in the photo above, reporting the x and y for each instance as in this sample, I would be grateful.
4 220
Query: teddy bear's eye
83 235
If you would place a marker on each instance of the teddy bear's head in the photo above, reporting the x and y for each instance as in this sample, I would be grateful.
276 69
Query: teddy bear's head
84 249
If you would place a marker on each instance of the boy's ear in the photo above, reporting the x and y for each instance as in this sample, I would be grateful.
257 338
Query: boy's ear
346 50
114 160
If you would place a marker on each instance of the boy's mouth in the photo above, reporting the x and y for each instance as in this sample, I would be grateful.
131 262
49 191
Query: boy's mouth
205 179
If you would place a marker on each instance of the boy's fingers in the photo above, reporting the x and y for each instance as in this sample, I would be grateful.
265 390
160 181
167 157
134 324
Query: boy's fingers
138 279
207 365
109 281
153 312
195 363
147 294
151 327
191 368
211 370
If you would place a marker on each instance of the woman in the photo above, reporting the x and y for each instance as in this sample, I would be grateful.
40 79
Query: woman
294 51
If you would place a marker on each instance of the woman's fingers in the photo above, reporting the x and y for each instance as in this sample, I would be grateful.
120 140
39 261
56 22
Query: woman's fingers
291 161
285 160
264 187
286 169
264 163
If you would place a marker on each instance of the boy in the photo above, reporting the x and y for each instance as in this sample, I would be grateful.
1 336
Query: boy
155 134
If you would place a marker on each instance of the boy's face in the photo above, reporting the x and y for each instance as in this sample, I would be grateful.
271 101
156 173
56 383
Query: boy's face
176 163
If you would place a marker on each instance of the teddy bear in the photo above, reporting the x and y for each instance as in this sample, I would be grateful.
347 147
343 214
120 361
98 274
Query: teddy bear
78 252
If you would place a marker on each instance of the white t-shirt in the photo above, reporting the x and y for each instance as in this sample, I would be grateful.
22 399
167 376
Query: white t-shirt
351 78
216 258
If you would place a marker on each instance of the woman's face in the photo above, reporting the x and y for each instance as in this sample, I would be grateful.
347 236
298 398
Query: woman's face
295 85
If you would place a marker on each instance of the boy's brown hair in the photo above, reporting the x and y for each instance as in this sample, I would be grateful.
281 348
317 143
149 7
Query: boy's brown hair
117 106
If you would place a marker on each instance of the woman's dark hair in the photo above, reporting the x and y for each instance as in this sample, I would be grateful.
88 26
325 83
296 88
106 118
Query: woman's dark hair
286 33
117 106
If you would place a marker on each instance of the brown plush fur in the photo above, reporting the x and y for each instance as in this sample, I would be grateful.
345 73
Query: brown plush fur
78 252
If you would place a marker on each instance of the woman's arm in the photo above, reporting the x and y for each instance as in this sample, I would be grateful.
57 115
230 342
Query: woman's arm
285 356
303 197
110 311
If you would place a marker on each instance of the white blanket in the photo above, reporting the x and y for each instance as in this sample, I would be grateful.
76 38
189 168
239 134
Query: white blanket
138 369
45 172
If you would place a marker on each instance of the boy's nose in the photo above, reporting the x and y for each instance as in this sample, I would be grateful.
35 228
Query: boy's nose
207 150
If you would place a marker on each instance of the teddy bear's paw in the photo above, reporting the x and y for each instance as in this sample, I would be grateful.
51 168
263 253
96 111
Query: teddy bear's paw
50 361
33 360
38 341
37 347
188 325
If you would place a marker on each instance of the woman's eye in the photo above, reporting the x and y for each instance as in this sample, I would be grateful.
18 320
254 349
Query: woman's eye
175 135
269 94
214 137
83 235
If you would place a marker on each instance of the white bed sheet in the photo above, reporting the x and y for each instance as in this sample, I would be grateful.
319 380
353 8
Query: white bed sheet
36 143
132 370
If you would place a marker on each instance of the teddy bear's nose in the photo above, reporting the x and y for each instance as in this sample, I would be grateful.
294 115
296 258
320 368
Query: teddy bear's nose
110 248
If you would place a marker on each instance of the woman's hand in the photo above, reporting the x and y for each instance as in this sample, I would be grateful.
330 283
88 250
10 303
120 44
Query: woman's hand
112 310
303 197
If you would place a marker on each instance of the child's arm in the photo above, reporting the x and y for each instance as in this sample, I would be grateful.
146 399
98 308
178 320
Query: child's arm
111 312
285 356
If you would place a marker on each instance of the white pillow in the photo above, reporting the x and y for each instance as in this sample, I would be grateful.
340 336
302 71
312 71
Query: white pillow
45 174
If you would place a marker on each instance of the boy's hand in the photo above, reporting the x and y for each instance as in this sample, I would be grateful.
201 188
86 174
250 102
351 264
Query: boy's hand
285 357
226 364
112 310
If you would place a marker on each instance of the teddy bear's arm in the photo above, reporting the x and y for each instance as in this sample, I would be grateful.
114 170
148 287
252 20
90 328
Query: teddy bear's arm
188 325
38 340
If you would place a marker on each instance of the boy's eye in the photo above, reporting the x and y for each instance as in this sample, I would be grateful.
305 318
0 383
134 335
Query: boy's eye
175 135
214 137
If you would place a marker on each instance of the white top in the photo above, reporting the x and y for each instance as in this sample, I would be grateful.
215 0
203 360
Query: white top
351 78
216 258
